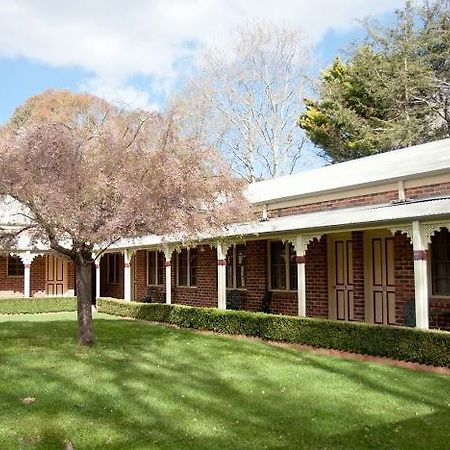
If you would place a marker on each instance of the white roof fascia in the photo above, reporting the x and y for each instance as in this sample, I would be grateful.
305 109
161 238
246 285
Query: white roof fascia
429 159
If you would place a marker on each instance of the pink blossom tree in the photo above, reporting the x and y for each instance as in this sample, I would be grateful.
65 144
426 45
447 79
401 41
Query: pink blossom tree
89 173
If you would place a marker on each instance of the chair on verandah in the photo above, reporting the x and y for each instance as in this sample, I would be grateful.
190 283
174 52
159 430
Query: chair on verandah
265 302
234 300
153 295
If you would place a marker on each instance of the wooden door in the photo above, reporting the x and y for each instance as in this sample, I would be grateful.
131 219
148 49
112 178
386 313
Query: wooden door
340 269
56 275
380 278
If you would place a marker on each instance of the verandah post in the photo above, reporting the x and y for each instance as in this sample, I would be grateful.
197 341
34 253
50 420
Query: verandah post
168 263
127 255
221 276
420 249
301 279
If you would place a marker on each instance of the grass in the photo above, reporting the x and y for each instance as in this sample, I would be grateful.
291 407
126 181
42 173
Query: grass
146 386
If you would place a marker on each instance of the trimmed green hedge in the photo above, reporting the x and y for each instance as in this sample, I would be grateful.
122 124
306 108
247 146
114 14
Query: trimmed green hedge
408 344
34 305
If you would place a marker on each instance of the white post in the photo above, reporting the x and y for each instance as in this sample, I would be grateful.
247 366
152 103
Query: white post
420 248
168 264
27 259
127 275
221 276
301 278
97 278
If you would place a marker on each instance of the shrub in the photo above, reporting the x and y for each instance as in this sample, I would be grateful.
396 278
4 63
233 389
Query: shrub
408 344
33 305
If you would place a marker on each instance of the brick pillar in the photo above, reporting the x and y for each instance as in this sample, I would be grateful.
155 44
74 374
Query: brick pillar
404 275
316 272
358 276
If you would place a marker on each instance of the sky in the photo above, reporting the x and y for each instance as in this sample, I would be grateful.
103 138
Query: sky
138 52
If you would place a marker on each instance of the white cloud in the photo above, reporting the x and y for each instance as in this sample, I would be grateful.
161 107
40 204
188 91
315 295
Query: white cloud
116 40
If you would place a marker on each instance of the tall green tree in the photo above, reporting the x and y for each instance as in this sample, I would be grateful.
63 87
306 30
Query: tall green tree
393 91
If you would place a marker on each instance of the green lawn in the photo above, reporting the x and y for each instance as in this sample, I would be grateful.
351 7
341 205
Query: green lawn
146 386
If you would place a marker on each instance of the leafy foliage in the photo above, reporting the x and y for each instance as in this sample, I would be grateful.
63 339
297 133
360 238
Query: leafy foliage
393 342
394 90
87 173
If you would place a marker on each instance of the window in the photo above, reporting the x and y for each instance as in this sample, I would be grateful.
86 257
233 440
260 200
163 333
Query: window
236 270
440 263
187 267
283 267
155 268
15 266
113 260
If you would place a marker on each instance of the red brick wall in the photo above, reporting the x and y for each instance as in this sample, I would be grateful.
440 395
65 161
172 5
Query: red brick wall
359 200
440 313
38 277
404 275
9 286
257 283
205 293
366 199
358 276
432 190
316 272
115 290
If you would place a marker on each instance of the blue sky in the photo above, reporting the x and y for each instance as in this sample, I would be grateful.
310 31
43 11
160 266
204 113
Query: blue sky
138 54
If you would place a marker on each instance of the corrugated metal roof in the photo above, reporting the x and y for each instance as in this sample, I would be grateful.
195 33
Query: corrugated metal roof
430 158
323 221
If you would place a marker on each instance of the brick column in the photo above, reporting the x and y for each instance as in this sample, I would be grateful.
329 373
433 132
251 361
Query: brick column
358 276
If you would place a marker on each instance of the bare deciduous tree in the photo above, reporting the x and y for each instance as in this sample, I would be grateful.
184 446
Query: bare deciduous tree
246 99
88 174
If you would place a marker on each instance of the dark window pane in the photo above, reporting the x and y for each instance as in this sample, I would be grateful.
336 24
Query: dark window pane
240 266
15 266
440 262
183 267
277 265
293 285
161 267
230 267
151 268
193 267
113 267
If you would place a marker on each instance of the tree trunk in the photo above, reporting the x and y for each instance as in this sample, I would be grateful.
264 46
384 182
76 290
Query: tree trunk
84 301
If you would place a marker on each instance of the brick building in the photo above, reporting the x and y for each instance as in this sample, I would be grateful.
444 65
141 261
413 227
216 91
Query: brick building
365 240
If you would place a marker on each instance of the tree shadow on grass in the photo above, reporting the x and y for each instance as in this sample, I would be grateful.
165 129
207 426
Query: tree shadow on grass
145 386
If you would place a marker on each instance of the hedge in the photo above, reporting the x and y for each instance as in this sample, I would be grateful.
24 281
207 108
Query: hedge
407 344
26 305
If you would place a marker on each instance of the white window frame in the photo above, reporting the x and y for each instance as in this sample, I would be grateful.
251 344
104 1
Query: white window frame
287 266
